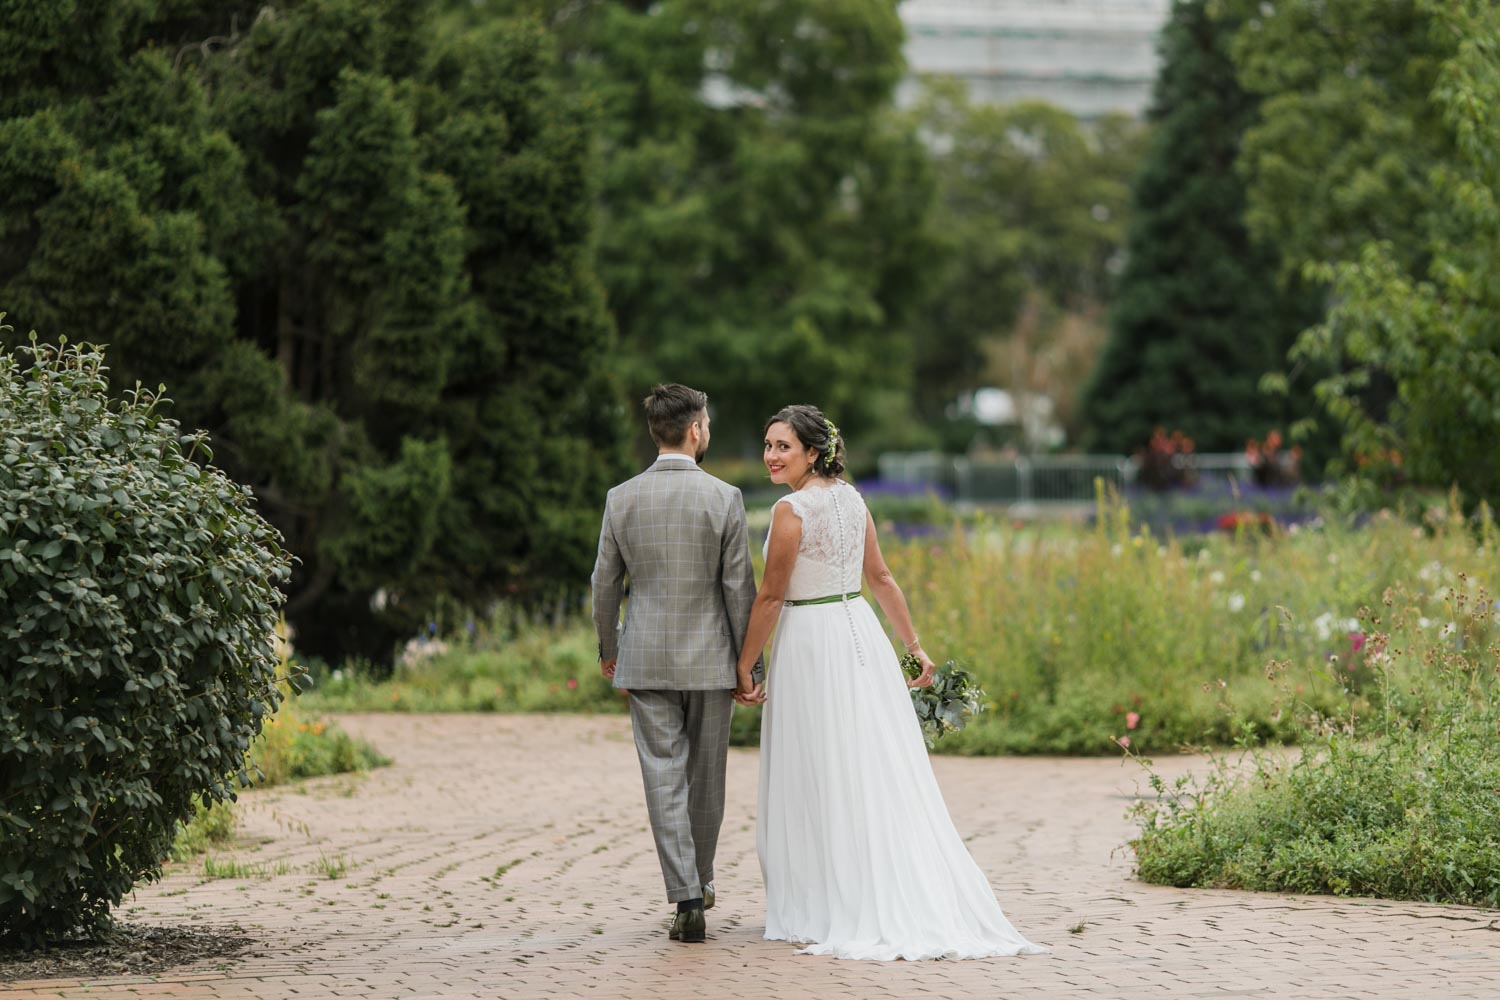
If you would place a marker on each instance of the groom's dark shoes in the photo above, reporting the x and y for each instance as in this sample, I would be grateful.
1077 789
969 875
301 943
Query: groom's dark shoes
708 895
689 926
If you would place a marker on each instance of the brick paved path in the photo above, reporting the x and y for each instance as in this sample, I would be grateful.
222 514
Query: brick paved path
509 857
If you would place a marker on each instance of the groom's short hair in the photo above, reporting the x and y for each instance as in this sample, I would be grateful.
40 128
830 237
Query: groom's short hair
670 410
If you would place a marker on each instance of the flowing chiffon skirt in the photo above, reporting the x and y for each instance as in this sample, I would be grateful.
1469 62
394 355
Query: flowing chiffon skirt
859 855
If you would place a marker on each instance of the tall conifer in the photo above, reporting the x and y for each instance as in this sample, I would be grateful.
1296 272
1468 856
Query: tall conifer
1199 316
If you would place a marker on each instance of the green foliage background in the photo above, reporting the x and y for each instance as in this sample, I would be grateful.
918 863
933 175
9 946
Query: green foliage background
763 214
1373 168
1030 219
409 263
354 240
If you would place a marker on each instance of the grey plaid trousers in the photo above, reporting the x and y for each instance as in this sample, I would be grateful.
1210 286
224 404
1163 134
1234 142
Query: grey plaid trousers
682 738
680 536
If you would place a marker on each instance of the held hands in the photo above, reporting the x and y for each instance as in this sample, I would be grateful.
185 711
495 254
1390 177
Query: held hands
924 679
607 668
747 692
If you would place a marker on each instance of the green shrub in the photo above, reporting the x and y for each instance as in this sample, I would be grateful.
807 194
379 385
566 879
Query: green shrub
137 602
1400 804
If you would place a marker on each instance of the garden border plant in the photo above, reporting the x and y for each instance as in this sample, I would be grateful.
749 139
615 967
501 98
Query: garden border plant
138 596
1081 635
1398 804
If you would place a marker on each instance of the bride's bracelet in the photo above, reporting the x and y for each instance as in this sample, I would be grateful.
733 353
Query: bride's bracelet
916 640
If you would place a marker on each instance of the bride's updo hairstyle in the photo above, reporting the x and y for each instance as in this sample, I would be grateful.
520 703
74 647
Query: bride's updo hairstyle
817 432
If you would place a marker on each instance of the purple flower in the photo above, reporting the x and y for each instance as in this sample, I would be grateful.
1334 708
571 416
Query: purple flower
1357 640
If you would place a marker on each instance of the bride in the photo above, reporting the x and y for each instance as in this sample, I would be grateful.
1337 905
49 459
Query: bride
859 855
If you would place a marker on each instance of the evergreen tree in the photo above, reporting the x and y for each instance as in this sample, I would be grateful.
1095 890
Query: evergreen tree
354 242
1199 316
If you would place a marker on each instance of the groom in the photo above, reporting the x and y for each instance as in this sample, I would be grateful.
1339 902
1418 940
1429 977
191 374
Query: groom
679 534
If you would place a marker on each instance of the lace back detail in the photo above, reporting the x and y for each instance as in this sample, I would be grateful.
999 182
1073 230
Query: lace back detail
830 555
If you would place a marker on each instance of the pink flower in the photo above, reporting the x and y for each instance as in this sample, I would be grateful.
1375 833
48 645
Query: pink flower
1357 640
572 684
1124 741
1132 719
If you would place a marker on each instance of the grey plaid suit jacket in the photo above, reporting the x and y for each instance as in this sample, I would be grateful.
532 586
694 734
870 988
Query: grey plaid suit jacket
680 535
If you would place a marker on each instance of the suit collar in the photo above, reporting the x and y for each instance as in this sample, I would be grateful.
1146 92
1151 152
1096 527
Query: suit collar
673 463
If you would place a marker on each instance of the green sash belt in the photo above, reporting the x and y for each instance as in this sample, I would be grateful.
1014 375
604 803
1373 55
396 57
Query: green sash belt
820 600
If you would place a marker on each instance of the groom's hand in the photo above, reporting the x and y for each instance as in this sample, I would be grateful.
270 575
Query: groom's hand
607 668
749 692
755 696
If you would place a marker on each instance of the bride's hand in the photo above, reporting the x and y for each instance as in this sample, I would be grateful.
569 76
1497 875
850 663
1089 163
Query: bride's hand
746 691
925 677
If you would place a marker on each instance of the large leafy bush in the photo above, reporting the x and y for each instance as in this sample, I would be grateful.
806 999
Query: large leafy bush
138 596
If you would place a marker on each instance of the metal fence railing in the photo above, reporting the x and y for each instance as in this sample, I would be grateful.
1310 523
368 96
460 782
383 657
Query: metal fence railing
1049 478
1037 478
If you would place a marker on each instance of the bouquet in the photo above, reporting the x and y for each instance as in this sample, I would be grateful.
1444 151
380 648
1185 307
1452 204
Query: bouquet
946 706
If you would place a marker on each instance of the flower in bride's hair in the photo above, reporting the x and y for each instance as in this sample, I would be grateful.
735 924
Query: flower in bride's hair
833 440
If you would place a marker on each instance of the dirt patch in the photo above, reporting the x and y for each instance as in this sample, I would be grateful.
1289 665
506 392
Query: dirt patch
127 950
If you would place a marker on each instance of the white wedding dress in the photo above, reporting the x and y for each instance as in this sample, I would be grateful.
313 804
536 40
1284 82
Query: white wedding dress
859 855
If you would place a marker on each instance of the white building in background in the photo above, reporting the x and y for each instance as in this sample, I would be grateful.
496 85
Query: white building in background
1031 413
1087 56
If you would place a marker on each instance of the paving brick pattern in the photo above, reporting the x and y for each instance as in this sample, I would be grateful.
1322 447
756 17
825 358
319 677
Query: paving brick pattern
508 857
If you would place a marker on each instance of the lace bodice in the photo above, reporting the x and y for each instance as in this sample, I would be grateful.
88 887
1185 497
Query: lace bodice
830 556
